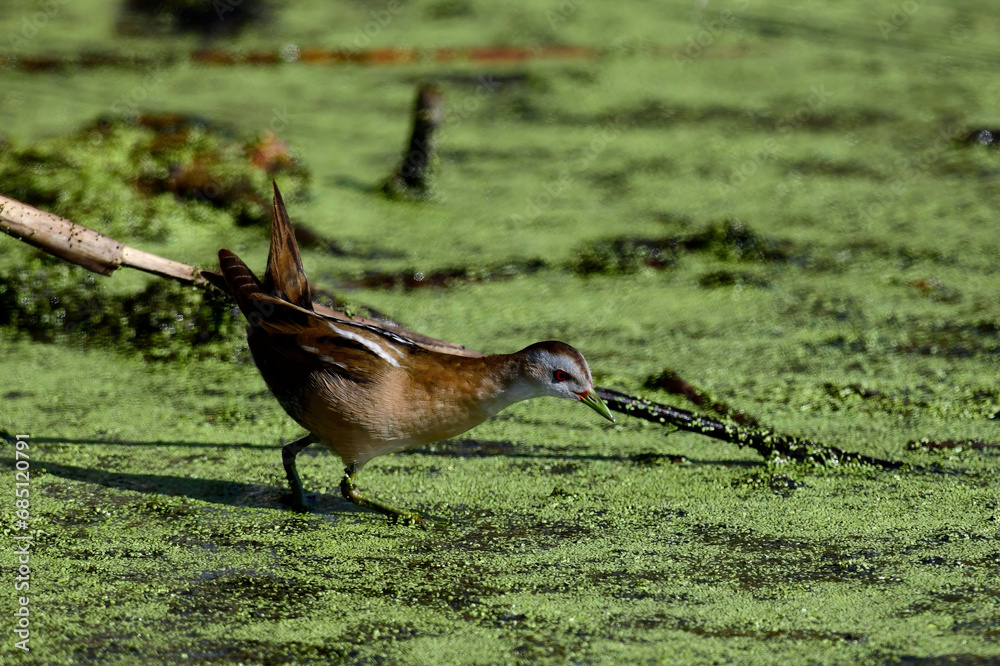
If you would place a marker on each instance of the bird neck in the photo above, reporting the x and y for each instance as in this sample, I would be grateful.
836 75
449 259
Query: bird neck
506 381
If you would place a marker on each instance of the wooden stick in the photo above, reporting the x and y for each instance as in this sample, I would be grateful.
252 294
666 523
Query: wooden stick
413 178
82 246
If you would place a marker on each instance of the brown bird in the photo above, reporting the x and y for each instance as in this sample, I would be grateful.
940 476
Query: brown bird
363 390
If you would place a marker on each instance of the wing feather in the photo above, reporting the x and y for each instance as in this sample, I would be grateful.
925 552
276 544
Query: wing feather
281 307
285 278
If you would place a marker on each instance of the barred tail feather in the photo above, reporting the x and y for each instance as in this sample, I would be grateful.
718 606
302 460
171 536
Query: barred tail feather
241 283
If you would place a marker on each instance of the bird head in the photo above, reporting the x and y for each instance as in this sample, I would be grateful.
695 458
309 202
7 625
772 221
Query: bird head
555 369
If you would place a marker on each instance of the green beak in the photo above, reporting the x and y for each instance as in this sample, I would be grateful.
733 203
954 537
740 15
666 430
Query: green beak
592 400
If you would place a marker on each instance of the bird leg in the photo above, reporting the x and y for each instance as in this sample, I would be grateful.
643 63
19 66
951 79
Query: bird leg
351 492
288 453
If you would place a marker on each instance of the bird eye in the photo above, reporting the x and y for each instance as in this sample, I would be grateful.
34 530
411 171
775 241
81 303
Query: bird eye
560 376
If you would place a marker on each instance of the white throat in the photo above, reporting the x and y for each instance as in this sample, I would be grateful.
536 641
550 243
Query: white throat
522 389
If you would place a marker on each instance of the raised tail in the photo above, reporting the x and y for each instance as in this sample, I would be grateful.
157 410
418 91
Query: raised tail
241 284
285 278
284 281
234 278
273 314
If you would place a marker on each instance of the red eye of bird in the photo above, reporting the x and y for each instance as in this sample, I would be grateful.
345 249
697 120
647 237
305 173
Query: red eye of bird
560 375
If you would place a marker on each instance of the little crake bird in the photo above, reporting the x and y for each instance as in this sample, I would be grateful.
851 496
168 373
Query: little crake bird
364 391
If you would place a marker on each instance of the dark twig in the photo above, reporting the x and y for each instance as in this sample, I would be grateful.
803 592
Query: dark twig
671 382
765 442
956 445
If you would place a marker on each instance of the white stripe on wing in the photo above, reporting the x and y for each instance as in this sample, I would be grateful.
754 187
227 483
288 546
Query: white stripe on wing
371 345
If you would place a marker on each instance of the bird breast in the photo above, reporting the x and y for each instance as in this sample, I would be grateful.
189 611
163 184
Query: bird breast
401 409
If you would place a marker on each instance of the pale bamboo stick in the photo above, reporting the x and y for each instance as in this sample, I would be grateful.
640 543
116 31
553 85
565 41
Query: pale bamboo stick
83 246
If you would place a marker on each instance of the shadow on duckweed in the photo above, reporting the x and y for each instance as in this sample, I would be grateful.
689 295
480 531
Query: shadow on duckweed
227 493
448 277
729 240
254 595
764 634
93 509
756 561
231 493
474 448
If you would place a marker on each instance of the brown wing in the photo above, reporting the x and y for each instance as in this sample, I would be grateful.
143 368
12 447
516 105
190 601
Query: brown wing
354 351
281 307
285 278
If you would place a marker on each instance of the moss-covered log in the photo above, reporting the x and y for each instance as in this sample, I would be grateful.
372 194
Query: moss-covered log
767 443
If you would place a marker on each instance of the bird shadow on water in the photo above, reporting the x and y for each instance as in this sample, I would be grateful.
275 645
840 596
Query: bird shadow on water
452 448
158 442
256 495
232 493
477 448
213 491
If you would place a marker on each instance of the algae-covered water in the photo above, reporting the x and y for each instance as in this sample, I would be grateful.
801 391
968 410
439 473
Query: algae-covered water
857 308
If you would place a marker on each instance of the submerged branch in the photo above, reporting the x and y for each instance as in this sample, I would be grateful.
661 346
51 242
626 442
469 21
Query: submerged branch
413 179
765 442
671 382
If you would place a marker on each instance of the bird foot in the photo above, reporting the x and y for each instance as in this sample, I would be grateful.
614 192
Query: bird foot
297 502
396 516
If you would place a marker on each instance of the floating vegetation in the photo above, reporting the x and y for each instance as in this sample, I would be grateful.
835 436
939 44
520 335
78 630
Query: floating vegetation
626 255
936 291
817 115
952 339
165 321
144 178
726 278
953 445
415 279
729 240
